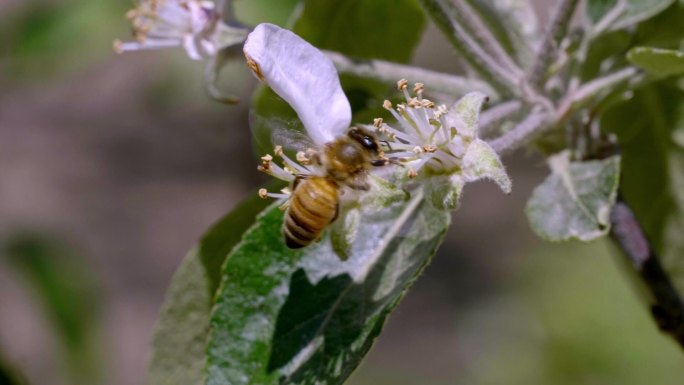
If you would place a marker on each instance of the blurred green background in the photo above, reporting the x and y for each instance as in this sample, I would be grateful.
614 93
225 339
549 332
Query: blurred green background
111 166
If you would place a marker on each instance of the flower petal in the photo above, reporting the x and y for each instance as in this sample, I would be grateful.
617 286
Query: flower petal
303 76
482 162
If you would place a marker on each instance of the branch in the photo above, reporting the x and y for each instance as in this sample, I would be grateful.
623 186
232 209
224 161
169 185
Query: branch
471 20
480 61
389 72
556 31
533 125
494 116
593 88
667 307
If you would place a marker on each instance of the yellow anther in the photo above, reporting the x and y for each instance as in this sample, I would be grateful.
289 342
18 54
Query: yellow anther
263 193
302 158
412 173
254 67
402 84
377 122
428 103
278 150
418 88
417 149
387 105
267 158
429 148
117 46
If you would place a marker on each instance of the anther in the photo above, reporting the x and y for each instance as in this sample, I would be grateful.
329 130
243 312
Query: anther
263 193
402 84
117 46
415 103
302 158
417 149
418 88
411 173
278 150
254 67
387 105
429 148
428 103
377 122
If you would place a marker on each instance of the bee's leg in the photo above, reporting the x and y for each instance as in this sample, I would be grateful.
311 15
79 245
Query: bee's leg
385 161
386 143
358 184
298 178
337 212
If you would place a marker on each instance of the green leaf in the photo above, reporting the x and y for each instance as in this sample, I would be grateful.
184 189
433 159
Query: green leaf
653 165
663 62
635 11
284 316
514 24
179 338
351 28
574 202
367 29
69 296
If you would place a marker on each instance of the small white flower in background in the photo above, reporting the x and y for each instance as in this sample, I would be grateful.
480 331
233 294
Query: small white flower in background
195 25
440 145
437 146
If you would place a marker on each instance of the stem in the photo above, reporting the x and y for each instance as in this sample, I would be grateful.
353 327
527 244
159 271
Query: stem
534 124
586 92
556 31
389 72
479 60
472 21
493 116
667 307
609 18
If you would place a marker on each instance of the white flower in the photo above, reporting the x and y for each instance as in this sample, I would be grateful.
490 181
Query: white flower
303 76
440 146
194 25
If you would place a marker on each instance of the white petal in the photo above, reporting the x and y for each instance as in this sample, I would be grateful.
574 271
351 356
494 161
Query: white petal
303 76
482 162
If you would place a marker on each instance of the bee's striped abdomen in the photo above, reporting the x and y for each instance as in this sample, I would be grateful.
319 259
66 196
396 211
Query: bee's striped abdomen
312 207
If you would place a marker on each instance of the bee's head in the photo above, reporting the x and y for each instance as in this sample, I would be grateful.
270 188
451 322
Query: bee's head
365 138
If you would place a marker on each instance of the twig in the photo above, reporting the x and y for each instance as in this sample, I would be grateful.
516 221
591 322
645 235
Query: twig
667 307
609 18
577 98
480 61
389 72
493 116
471 20
533 125
556 31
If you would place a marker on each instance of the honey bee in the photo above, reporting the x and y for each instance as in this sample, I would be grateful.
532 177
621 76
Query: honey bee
315 199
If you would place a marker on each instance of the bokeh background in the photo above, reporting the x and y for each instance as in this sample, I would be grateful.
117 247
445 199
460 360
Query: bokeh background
112 166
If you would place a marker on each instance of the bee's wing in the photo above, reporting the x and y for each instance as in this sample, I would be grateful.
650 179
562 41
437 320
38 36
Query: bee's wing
302 75
280 132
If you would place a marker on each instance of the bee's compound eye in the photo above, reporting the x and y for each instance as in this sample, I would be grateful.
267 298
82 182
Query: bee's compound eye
366 139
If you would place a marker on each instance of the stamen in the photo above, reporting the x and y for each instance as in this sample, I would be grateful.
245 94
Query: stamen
402 84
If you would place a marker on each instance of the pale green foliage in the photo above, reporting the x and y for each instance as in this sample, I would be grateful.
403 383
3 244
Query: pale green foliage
306 317
663 62
633 11
574 202
181 332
